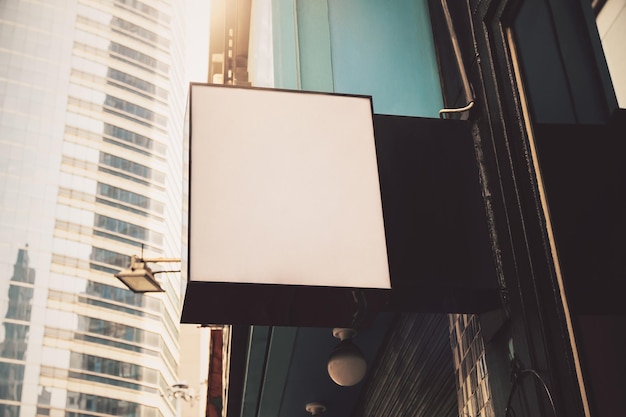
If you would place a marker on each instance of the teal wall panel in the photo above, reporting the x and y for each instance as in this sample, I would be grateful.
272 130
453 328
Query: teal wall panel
285 31
314 45
380 48
385 49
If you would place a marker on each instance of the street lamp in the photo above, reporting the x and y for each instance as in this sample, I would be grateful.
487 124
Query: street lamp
139 278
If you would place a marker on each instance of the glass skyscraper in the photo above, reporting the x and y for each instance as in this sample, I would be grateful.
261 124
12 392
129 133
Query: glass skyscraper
92 99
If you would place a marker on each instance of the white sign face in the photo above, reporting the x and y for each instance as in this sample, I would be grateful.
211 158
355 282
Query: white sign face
284 189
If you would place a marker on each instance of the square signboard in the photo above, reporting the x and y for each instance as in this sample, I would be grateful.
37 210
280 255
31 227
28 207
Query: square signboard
284 189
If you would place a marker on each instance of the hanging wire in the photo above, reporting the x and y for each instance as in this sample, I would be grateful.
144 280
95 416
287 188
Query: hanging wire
518 375
360 302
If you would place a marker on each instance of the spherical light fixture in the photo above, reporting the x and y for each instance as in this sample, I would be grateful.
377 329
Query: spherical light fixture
346 365
315 408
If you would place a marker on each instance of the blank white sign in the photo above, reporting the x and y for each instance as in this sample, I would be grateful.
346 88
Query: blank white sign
284 189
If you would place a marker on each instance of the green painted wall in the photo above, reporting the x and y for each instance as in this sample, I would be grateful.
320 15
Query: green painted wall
284 33
371 47
316 72
385 49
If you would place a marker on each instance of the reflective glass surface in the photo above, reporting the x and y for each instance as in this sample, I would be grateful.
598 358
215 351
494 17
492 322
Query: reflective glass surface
91 105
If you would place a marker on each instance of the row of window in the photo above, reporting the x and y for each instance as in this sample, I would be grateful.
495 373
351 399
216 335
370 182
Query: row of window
104 269
128 229
126 241
111 381
109 257
142 33
15 341
129 197
104 405
134 138
124 337
120 295
100 301
130 90
123 207
131 167
138 83
21 272
125 165
117 331
11 381
9 410
144 8
155 306
121 175
20 302
115 344
138 57
116 308
113 367
133 300
133 119
132 108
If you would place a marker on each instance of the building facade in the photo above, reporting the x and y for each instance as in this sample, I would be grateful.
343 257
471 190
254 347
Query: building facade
91 123
538 85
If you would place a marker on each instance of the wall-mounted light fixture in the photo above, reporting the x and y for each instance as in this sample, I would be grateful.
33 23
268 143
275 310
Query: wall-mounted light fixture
139 278
346 365
181 390
315 408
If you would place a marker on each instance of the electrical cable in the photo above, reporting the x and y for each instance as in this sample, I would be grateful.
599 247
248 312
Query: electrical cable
360 312
517 377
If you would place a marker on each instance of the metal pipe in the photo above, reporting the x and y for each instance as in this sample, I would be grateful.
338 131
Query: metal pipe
459 61
442 112
156 260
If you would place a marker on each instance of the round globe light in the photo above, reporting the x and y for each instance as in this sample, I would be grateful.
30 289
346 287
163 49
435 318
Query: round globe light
346 365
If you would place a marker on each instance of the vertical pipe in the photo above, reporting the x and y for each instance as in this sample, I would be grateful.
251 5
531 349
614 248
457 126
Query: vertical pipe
467 89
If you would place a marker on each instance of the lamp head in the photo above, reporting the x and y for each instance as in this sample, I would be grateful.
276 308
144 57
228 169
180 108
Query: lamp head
315 408
346 364
139 277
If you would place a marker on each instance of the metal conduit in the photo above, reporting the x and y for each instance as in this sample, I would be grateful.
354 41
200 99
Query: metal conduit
459 61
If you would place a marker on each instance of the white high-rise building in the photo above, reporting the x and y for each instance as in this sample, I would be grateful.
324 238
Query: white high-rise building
92 100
